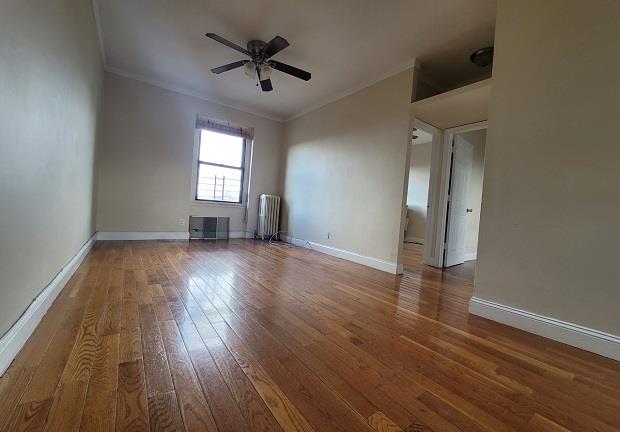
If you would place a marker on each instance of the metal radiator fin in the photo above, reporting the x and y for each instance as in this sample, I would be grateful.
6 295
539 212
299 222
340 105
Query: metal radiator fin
268 216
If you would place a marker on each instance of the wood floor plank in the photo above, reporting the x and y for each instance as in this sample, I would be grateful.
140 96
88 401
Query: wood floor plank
281 407
47 375
195 410
540 423
162 309
131 344
158 378
12 386
81 358
111 320
131 403
100 407
66 411
164 413
253 408
379 422
29 416
225 410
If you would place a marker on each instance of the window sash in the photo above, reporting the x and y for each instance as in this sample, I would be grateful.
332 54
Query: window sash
238 168
210 146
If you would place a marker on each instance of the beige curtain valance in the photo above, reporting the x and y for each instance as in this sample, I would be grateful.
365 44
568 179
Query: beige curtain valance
224 127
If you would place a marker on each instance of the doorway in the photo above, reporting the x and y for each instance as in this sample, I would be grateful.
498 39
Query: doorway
465 172
418 235
417 188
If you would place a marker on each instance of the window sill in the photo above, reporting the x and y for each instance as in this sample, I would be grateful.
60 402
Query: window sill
217 204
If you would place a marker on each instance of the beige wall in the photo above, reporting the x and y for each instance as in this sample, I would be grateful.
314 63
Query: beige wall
549 230
345 167
474 190
50 76
417 191
146 159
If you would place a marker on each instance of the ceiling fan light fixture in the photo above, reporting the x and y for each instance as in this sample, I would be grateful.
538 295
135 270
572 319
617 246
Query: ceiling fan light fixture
250 69
265 71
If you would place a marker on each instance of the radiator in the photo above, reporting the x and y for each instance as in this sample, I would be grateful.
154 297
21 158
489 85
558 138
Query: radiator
268 216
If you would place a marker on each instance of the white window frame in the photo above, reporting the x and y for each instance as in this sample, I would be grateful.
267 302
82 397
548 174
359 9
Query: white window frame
246 175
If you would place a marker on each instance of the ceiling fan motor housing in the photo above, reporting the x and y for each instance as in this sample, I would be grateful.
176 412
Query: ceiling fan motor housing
256 47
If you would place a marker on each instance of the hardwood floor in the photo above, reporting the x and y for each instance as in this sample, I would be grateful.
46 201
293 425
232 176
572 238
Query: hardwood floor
241 335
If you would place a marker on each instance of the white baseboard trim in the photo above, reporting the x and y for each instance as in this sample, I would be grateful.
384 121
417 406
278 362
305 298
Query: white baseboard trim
13 341
159 235
375 263
416 240
240 234
470 256
142 235
595 341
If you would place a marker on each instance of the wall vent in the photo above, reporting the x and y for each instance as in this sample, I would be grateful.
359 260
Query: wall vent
209 228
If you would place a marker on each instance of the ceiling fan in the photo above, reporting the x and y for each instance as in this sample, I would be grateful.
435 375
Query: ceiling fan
260 64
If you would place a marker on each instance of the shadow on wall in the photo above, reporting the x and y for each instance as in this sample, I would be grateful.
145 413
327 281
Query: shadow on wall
417 224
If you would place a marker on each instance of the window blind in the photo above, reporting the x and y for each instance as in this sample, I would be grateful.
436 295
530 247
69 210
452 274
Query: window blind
224 127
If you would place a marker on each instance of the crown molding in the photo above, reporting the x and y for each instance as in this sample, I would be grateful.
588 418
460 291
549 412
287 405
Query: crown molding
409 64
191 93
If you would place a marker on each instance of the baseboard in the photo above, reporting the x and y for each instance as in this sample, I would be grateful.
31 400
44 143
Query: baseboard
142 235
159 235
470 256
595 341
240 234
375 263
13 341
416 240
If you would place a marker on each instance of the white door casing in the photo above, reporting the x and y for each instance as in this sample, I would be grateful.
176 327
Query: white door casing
462 157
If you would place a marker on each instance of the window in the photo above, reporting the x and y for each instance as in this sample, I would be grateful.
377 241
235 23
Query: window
221 165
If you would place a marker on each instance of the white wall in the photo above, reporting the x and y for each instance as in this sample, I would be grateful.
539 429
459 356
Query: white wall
146 159
549 231
417 191
50 76
345 167
474 189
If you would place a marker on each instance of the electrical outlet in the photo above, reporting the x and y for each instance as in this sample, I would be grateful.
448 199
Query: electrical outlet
181 222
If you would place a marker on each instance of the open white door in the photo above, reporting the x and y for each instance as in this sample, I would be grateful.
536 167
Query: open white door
462 156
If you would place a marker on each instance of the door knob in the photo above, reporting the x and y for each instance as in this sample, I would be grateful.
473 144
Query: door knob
469 211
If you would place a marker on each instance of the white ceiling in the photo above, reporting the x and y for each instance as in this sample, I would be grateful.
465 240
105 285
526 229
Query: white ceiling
346 44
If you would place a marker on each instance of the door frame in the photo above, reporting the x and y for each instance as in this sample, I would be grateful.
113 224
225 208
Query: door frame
444 183
433 190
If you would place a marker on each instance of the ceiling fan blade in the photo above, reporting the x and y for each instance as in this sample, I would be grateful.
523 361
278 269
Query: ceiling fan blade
228 43
291 70
266 86
230 66
274 46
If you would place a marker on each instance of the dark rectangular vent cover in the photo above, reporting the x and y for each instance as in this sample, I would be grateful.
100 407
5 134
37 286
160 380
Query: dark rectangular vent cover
210 228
